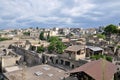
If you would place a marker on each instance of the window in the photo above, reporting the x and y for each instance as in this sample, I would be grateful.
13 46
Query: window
78 52
62 62
69 54
57 61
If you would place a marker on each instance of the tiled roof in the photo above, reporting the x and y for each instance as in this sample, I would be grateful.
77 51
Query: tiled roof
98 69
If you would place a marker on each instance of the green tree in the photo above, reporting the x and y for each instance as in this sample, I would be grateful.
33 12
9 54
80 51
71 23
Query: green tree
41 37
51 47
56 45
60 47
26 33
109 30
53 38
40 49
101 36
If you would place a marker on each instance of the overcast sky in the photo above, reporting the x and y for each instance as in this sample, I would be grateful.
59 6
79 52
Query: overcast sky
58 13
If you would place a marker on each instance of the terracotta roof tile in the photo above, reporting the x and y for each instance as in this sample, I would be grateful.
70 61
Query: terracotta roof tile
97 68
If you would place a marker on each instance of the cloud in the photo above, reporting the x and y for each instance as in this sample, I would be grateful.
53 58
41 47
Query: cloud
79 8
24 13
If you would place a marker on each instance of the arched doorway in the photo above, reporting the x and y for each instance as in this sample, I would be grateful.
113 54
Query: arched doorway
73 66
61 61
56 61
67 63
51 59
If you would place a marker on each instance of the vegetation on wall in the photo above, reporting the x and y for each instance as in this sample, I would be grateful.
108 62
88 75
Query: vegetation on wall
96 57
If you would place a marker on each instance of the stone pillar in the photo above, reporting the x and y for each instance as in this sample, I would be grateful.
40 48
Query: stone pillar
64 62
36 48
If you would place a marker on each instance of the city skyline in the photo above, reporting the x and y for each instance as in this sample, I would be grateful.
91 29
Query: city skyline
58 13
